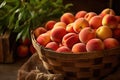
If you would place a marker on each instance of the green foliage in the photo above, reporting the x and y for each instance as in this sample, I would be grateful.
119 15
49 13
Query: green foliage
21 16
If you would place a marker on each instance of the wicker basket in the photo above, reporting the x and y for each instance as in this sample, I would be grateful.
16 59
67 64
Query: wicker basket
84 66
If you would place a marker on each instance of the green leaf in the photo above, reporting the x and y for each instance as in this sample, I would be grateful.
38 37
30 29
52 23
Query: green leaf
11 21
3 4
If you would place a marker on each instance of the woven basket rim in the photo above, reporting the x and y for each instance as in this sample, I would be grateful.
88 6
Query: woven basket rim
93 54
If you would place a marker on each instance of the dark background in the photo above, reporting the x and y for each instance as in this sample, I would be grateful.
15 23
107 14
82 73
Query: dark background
116 6
94 5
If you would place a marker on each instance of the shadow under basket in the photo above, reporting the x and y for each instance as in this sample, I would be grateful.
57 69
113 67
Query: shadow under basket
83 66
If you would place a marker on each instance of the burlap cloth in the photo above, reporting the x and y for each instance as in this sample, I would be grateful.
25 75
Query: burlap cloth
33 70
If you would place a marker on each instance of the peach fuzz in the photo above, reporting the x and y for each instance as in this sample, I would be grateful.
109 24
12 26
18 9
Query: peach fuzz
111 43
70 39
63 49
107 11
59 24
39 30
52 45
79 24
95 22
43 39
69 28
49 24
57 34
89 15
78 47
67 18
86 34
80 14
104 32
110 20
95 44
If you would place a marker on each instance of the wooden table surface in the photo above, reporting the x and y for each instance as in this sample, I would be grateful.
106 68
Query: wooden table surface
9 71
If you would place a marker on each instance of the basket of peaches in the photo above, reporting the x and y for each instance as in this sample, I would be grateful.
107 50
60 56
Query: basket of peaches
81 46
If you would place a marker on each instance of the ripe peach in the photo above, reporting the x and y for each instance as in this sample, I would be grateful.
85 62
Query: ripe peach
107 11
116 33
111 43
110 20
89 15
52 45
25 41
49 24
118 19
63 49
118 26
80 14
39 31
79 24
57 34
67 18
22 50
60 24
95 22
78 47
69 28
43 39
95 44
70 39
104 32
86 34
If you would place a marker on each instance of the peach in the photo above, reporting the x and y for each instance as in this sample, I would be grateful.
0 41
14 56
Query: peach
60 24
67 18
57 34
116 33
89 15
118 19
107 11
39 31
78 47
86 34
63 49
25 41
79 24
104 32
52 45
22 50
70 39
95 22
95 44
49 24
111 43
69 28
110 20
80 14
43 39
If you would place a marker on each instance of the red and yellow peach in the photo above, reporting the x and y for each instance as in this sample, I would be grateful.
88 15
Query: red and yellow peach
111 43
57 34
86 34
95 22
79 24
70 39
67 18
78 47
95 44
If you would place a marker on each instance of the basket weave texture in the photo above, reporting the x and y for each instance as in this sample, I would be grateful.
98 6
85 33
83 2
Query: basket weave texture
84 66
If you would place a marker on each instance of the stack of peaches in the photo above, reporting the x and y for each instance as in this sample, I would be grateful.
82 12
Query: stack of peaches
81 32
